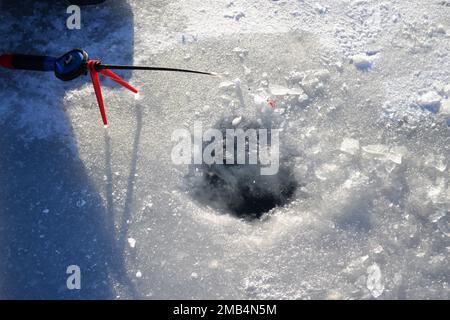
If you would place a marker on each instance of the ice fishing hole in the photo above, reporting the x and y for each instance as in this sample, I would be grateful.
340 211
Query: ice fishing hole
240 189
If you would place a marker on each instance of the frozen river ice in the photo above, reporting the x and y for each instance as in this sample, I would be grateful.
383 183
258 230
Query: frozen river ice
360 91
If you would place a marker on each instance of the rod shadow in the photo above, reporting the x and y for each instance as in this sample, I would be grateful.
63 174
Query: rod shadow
51 215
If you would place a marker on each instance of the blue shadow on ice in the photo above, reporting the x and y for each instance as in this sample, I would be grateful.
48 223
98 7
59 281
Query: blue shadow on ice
51 216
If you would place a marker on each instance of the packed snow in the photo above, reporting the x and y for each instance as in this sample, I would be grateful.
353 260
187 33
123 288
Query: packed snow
359 90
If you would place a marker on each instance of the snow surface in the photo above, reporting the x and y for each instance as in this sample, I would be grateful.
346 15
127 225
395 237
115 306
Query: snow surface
352 82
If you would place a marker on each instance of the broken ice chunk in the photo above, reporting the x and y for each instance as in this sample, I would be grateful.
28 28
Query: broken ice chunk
445 110
226 85
374 280
430 100
259 100
383 152
436 216
439 162
356 265
314 81
295 92
395 17
132 242
396 154
242 53
236 121
376 149
362 61
445 107
378 249
240 50
321 9
350 146
247 71
446 90
277 90
295 77
324 171
303 98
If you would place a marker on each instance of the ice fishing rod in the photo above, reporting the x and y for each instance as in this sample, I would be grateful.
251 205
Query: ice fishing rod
75 63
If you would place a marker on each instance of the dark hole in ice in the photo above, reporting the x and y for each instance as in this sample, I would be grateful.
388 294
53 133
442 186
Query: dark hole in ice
245 199
240 189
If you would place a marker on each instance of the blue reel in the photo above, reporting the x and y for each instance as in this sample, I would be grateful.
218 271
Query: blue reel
71 65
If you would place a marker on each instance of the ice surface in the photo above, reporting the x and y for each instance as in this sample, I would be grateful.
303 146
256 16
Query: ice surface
369 217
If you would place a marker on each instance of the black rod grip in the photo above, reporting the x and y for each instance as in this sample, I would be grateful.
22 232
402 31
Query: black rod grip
28 62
